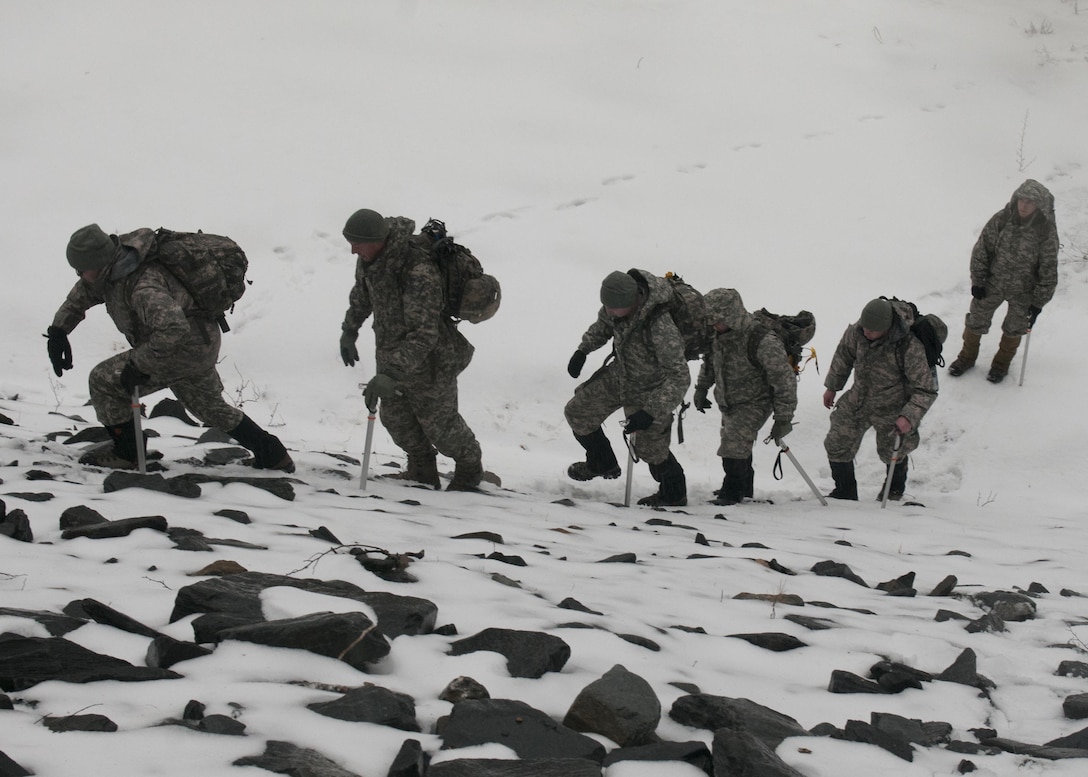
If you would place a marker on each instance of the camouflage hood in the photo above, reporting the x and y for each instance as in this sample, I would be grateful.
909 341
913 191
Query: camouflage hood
400 233
724 306
1035 192
655 289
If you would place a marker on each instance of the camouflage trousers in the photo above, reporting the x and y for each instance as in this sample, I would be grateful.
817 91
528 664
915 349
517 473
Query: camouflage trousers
849 425
201 393
981 313
598 398
424 417
740 428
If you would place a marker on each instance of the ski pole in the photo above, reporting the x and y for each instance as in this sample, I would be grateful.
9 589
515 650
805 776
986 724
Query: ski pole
137 423
891 471
804 475
1024 359
371 415
627 439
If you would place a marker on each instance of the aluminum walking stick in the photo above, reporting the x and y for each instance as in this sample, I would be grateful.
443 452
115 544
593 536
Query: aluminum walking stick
1024 358
371 415
891 471
804 475
137 422
627 439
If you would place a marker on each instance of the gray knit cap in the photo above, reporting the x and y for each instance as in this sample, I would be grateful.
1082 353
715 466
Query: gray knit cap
366 226
619 290
877 315
90 248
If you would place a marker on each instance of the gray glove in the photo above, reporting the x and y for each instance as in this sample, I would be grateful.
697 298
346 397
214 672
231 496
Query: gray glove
348 352
781 427
701 402
379 387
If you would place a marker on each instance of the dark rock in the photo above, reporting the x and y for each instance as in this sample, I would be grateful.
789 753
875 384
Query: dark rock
79 723
1048 752
494 767
736 714
528 653
964 670
516 561
945 587
286 758
223 725
217 457
194 710
27 661
411 760
16 525
239 597
213 435
487 536
209 627
574 604
239 516
858 731
9 768
177 486
1007 605
775 599
38 474
740 753
56 625
965 767
90 434
462 688
120 528
990 622
620 558
100 613
695 753
164 651
642 642
772 640
171 408
1077 740
1075 707
810 623
895 677
848 682
372 704
31 496
349 637
525 730
620 705
192 543
277 486
836 569
1073 669
80 515
949 615
1037 588
320 533
899 584
898 727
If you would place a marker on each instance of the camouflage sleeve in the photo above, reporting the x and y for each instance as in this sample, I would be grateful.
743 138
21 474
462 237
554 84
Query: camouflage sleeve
921 386
1047 275
598 334
423 302
668 345
155 305
982 255
75 306
780 376
359 307
842 364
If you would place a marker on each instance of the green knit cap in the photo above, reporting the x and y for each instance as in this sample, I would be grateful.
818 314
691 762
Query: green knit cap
90 248
877 315
619 290
366 226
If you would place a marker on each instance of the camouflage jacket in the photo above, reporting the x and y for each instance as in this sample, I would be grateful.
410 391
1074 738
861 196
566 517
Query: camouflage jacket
402 288
648 347
1017 259
150 308
891 374
736 379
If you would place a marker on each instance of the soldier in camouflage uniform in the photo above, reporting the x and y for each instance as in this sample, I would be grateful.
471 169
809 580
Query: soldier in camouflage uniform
647 378
893 388
747 393
1015 260
419 351
172 347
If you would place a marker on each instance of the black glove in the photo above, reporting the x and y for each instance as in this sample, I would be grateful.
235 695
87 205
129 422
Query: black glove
60 350
701 402
780 429
379 387
1033 313
638 421
132 378
574 366
978 292
348 352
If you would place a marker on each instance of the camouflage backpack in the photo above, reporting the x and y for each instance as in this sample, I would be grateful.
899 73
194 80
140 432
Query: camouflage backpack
688 311
794 332
212 268
470 294
929 328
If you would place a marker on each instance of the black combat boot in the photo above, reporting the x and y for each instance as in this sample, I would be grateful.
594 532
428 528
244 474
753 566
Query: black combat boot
422 468
846 485
735 483
467 475
673 488
600 458
268 451
899 482
121 454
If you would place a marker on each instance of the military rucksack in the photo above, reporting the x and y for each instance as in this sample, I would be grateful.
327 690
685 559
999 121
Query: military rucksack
212 268
688 311
929 328
794 332
470 294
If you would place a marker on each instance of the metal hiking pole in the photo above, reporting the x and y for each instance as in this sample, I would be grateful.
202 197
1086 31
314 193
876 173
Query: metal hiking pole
371 415
891 471
137 423
627 440
1024 358
804 475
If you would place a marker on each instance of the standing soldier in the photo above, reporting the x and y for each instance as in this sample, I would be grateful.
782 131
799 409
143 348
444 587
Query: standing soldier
1015 260
647 378
748 390
893 388
173 346
419 351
